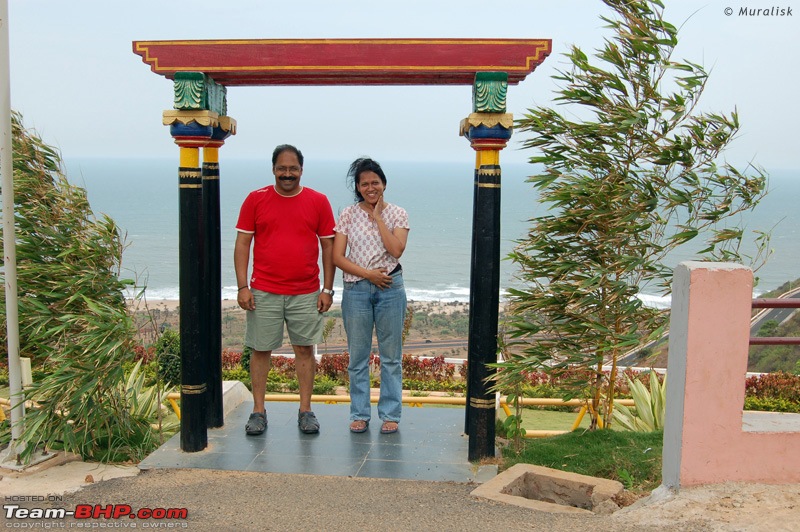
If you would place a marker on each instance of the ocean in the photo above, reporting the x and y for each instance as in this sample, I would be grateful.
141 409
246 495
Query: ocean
141 195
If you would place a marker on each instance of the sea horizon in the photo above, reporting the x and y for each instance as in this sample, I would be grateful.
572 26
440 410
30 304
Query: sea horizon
438 197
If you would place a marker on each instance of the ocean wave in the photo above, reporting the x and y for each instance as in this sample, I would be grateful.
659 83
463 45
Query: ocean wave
445 294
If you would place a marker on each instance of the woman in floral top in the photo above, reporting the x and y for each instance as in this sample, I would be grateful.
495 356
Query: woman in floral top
373 233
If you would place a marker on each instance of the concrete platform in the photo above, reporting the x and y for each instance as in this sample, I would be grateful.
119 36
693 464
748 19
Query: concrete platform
429 446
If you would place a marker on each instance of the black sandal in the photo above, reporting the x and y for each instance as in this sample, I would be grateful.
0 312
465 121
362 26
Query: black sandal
256 423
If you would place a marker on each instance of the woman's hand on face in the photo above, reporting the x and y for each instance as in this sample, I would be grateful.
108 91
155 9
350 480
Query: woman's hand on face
379 278
376 210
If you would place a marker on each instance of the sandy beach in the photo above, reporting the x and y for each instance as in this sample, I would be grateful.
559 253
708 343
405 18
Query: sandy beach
437 328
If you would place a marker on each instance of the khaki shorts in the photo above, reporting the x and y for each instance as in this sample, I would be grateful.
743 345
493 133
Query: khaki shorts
265 323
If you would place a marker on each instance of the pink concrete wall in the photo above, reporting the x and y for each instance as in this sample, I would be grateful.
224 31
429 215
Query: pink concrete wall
705 443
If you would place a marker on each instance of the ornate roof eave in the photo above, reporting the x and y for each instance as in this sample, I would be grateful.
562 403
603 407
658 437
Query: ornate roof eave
345 61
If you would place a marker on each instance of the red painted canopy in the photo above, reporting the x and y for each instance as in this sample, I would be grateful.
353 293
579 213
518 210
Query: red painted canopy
345 61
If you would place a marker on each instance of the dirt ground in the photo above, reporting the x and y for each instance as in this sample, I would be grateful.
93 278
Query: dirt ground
729 506
411 505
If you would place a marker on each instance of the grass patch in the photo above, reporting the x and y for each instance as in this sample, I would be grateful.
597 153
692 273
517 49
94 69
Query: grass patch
541 419
633 458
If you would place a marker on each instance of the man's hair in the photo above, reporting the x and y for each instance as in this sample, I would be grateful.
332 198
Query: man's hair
287 147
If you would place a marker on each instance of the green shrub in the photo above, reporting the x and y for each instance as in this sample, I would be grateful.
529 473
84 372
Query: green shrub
651 405
275 387
39 374
168 354
245 360
149 370
771 404
324 385
434 386
768 328
292 385
237 374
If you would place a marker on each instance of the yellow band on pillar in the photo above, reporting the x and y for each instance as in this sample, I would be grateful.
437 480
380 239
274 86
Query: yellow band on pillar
190 157
210 154
193 389
476 402
487 157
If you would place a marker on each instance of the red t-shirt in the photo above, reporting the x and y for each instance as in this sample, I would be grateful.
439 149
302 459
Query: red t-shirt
286 232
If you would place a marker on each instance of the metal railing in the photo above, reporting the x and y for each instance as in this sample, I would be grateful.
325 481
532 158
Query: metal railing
418 401
771 304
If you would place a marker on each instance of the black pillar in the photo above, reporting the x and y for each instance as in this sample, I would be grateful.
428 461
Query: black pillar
473 303
194 436
212 292
484 302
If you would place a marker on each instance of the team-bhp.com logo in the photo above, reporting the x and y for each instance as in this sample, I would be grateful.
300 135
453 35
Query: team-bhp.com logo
51 516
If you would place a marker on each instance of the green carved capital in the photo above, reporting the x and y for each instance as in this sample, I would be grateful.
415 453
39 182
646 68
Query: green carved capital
195 91
489 92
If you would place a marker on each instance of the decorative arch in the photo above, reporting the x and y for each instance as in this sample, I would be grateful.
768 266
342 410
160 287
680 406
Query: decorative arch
203 69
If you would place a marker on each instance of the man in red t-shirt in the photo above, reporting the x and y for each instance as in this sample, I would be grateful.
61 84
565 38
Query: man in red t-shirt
286 224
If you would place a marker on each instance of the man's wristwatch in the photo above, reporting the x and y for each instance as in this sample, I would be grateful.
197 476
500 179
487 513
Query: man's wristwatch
326 291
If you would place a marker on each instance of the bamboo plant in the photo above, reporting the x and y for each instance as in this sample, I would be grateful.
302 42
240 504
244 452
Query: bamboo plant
629 170
74 323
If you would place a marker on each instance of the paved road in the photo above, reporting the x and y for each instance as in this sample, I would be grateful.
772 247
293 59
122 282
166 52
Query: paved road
778 314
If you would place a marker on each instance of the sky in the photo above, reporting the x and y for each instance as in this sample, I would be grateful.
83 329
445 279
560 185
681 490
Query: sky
77 82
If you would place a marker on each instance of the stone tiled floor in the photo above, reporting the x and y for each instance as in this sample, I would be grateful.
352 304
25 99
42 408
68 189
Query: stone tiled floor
429 446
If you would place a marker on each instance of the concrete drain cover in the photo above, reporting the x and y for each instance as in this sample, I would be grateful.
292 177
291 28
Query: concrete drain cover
551 490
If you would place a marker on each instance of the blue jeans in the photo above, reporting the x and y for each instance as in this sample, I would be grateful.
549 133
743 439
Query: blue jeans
366 307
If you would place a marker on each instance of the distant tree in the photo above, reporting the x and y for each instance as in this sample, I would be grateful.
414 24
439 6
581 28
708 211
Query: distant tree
74 321
327 329
628 171
768 328
409 319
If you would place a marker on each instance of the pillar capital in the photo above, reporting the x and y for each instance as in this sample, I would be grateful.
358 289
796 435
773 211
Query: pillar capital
488 127
197 91
198 128
190 129
486 120
223 130
489 92
487 131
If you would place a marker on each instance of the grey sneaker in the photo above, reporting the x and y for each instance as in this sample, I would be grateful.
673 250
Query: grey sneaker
307 422
256 424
